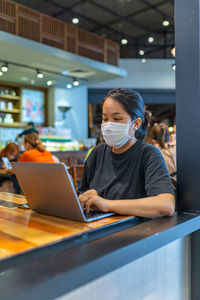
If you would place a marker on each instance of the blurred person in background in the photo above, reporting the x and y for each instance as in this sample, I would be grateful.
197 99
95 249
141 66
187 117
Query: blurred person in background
11 151
160 139
8 181
35 150
30 127
172 143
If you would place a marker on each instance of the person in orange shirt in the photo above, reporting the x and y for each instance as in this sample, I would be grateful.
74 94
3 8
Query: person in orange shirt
35 150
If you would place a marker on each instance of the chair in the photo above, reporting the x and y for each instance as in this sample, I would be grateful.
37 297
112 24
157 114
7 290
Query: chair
76 172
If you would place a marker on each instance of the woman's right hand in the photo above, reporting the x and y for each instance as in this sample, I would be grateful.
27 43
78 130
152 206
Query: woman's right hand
90 200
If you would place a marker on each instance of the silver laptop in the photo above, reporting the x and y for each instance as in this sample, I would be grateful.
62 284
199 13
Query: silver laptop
49 189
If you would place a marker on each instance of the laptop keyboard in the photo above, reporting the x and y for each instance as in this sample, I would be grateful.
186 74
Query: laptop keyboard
94 213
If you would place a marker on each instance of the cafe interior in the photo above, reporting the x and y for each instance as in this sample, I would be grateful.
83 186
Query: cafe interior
58 61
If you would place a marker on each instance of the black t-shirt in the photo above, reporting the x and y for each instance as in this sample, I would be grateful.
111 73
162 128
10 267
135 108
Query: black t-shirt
138 172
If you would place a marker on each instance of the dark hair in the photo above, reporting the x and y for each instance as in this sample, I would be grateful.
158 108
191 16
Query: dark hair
161 134
33 139
31 124
133 103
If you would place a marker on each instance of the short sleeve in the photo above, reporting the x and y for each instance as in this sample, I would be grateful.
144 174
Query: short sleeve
156 175
88 171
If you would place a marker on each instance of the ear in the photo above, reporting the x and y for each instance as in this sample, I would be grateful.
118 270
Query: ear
137 123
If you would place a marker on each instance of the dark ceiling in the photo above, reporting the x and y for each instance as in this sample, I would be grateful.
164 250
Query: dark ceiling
133 20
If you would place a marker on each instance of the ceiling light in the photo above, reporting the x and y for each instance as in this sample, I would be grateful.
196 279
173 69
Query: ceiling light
49 82
75 20
65 72
4 68
143 60
141 52
24 78
32 81
1 73
173 66
39 74
69 86
165 23
76 82
150 39
171 129
173 52
124 41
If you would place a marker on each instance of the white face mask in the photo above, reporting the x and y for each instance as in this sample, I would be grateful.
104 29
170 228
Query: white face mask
115 134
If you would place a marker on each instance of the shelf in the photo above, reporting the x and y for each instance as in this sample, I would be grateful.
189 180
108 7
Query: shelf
8 97
13 125
12 111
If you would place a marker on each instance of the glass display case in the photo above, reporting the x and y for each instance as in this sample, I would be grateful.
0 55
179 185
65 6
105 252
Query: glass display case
55 144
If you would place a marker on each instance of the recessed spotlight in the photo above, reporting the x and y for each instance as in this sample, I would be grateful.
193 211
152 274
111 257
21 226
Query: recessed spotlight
150 39
49 82
75 20
124 41
69 86
1 73
65 72
173 52
173 66
24 78
39 74
32 81
76 82
141 52
143 60
165 23
4 68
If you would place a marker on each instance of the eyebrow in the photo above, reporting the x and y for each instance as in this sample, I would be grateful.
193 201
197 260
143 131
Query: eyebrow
116 113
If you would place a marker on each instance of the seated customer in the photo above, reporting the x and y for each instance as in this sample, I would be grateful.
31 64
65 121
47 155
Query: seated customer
6 184
8 181
125 175
11 151
160 139
35 150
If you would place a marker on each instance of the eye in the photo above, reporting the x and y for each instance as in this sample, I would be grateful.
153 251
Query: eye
117 118
104 120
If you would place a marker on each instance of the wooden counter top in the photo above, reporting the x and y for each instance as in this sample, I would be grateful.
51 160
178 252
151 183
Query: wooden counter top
22 230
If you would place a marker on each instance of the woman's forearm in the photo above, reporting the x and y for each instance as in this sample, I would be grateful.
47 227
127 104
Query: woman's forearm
149 207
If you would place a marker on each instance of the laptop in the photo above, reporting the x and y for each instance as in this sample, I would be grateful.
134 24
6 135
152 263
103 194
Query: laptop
49 190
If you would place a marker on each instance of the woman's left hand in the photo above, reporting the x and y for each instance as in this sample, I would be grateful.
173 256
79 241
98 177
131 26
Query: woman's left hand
90 200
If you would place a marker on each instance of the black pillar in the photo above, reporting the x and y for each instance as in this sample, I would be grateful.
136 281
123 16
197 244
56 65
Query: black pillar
187 31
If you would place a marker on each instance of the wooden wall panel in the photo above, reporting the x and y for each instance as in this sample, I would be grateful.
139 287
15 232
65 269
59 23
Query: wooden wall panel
71 36
28 23
111 52
90 45
8 16
53 32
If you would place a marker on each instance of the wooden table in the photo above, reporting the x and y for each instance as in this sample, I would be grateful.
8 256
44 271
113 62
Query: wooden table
22 230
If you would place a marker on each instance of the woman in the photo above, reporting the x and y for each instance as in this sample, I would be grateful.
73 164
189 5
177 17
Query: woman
160 139
11 151
35 150
8 181
126 175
